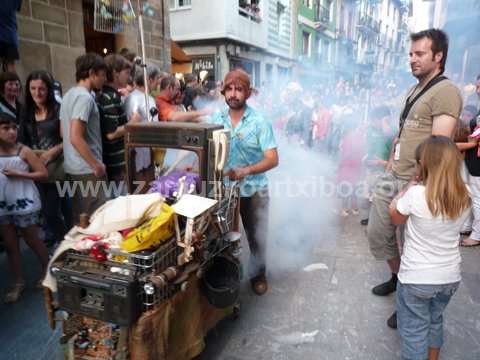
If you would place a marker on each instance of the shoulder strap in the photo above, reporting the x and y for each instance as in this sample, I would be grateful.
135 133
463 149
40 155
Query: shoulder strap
410 102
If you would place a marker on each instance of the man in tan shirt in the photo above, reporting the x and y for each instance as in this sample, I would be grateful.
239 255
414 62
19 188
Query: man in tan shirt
432 107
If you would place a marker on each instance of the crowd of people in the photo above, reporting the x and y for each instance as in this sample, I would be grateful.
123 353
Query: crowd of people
416 158
78 137
411 169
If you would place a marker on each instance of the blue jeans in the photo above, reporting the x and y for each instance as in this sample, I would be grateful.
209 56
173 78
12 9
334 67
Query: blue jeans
420 317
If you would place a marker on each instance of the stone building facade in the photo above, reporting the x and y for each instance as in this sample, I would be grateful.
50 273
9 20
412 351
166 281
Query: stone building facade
53 33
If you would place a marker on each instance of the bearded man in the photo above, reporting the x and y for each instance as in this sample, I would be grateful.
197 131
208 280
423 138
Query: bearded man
253 151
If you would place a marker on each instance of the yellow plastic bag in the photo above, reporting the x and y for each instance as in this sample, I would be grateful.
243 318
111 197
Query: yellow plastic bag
159 156
152 233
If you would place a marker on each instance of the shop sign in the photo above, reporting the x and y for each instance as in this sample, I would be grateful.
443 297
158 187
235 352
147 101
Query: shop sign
206 63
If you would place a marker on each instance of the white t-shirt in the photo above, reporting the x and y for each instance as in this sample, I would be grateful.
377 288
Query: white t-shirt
135 103
431 254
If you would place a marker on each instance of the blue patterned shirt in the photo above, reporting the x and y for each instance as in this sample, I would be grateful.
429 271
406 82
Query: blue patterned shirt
249 140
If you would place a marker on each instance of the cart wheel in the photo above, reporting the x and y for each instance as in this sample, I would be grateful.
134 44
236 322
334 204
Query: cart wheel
236 312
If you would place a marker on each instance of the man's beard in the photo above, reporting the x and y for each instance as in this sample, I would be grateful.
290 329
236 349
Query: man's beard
418 75
235 104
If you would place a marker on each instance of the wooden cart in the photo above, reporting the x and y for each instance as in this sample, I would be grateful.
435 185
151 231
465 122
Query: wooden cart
173 328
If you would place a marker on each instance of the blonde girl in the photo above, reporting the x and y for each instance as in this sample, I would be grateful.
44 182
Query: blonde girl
434 210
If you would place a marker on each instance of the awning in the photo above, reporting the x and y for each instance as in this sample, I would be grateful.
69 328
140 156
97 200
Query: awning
178 55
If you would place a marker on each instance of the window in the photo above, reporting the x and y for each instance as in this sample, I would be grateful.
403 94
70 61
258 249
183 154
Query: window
328 48
269 69
323 13
250 9
280 12
283 72
331 8
180 4
306 36
319 50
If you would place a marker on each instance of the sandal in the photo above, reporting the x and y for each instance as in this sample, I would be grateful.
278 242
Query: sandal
259 284
13 295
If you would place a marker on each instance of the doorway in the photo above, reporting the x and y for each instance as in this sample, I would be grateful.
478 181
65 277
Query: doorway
95 41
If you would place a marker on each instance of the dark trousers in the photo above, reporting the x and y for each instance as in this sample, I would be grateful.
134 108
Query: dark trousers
254 213
91 198
54 216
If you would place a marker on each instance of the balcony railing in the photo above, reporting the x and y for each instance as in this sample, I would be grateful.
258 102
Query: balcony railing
381 41
400 47
369 23
403 28
322 14
249 11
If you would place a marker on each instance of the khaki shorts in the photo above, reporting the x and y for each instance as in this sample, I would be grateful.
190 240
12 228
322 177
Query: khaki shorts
368 184
381 231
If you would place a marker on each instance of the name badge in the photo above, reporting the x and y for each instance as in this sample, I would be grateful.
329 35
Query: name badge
396 154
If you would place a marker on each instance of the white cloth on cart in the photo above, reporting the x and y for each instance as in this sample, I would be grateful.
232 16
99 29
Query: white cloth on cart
121 213
124 212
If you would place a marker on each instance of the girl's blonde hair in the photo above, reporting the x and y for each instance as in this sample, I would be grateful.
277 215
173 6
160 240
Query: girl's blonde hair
445 191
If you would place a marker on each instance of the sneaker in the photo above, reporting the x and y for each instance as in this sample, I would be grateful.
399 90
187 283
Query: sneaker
392 321
364 222
355 212
386 288
259 284
344 213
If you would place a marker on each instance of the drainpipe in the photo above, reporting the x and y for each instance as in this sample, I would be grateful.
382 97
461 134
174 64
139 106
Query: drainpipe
217 64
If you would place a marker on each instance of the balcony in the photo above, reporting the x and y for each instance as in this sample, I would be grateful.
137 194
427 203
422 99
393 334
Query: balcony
382 41
250 10
322 15
246 25
345 36
228 20
368 24
400 47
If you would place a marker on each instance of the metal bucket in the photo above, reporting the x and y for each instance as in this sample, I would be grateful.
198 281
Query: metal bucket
221 282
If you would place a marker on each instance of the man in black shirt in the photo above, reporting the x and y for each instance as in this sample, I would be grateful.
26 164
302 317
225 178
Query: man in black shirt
472 161
113 117
191 84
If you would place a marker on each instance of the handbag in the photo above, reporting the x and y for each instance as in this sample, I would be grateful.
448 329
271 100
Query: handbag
55 169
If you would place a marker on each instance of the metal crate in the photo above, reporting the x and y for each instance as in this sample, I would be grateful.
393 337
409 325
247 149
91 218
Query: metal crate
227 207
154 262
146 263
151 261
